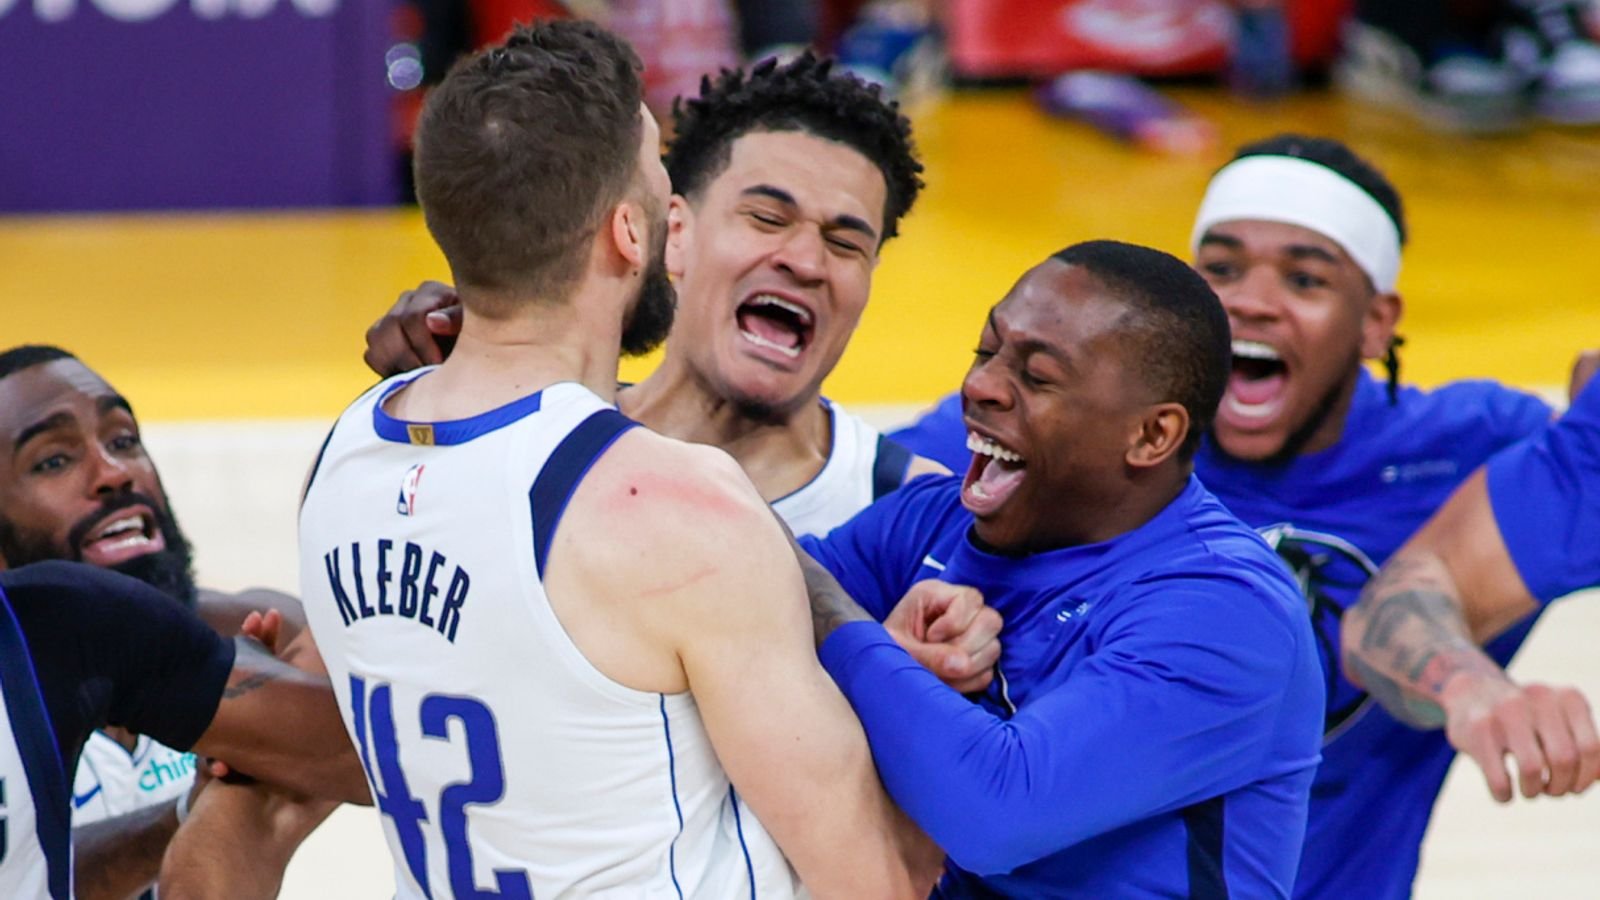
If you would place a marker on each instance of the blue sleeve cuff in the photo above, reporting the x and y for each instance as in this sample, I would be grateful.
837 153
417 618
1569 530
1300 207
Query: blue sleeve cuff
850 645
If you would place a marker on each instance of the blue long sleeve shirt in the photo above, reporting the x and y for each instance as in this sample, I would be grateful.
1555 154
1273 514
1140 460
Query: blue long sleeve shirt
1153 725
1336 515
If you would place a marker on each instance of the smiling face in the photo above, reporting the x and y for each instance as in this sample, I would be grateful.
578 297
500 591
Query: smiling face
1303 315
76 483
776 257
1051 409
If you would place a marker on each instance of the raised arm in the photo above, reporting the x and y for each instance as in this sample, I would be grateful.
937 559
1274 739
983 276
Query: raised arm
705 579
1412 642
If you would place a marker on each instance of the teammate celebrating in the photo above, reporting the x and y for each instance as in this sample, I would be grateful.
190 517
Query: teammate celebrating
790 179
1301 239
1520 533
572 650
81 648
76 484
1155 721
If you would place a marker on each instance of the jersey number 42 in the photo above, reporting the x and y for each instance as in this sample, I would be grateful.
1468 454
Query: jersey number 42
374 726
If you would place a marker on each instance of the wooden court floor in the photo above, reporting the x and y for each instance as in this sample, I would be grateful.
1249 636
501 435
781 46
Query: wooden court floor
238 337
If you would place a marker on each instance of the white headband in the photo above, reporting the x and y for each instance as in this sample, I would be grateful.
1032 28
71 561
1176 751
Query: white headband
1297 192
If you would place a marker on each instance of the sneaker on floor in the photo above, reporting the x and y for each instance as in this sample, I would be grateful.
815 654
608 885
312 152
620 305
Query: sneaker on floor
1550 40
1455 87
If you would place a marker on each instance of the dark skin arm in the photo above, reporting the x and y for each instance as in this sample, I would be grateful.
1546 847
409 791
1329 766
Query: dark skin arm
239 838
226 613
282 726
237 843
117 858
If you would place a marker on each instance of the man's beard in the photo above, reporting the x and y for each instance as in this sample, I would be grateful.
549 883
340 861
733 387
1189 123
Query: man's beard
170 570
651 317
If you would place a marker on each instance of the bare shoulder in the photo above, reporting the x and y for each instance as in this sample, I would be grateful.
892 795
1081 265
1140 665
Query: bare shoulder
655 515
663 547
647 484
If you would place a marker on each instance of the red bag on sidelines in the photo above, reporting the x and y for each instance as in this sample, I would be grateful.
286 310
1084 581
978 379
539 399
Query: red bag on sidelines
1039 38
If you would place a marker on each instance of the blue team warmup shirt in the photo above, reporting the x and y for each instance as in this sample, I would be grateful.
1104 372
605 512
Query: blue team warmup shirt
1545 493
1154 721
1335 516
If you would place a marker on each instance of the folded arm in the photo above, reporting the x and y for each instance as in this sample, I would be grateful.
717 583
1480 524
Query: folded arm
999 793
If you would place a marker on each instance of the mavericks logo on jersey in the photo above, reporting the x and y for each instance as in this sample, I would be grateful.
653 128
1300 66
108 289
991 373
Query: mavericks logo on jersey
1319 561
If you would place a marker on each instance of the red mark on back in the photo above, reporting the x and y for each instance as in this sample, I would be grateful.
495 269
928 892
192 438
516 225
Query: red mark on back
690 496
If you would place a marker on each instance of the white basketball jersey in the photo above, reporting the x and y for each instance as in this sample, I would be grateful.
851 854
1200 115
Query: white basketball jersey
111 781
862 466
33 801
504 764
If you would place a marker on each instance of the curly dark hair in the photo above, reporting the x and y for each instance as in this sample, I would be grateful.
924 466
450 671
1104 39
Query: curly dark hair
804 94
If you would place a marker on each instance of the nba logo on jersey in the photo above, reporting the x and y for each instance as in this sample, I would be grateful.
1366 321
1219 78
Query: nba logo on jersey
408 491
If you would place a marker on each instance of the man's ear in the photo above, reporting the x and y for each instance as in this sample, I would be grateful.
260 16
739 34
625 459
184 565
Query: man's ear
680 234
1160 434
628 231
1379 323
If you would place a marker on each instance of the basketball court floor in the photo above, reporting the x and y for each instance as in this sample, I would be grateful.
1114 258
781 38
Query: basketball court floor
239 337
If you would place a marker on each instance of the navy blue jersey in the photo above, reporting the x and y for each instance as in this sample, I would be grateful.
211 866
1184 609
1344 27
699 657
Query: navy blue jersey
82 648
1155 717
1545 493
1335 516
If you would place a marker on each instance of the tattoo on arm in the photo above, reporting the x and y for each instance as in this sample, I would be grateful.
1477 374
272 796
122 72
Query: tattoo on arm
246 685
831 606
1412 639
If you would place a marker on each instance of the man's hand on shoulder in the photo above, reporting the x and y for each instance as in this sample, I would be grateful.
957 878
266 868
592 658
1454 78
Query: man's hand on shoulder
420 330
948 629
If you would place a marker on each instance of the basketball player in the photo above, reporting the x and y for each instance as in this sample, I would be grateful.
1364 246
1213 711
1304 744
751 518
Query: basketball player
790 178
1522 531
1155 721
76 484
1301 239
82 648
573 652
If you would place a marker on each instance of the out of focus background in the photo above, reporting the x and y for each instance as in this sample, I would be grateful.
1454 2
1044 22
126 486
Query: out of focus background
208 201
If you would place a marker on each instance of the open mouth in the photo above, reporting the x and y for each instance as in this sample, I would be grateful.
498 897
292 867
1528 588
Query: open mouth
1257 385
995 474
125 534
781 327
